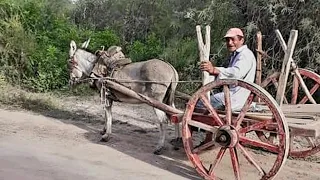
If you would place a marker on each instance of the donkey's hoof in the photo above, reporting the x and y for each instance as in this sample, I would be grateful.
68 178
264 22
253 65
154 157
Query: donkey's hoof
177 143
103 131
92 85
159 150
105 138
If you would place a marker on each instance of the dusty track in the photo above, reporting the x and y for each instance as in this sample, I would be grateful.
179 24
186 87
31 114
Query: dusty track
64 144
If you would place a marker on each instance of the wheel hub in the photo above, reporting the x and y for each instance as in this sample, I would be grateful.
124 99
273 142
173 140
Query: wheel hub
227 136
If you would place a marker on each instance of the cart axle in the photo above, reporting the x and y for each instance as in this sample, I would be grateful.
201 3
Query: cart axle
227 136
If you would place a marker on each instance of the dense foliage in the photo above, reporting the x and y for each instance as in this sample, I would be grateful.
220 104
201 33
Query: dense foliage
35 34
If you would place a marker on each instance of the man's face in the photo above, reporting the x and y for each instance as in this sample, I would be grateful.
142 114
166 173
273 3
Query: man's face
233 43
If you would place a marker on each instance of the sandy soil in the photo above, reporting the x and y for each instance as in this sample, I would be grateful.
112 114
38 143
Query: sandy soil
63 143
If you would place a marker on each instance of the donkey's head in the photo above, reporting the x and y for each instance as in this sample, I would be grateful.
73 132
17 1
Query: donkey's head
81 62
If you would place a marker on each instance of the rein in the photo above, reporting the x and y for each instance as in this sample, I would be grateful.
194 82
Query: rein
75 64
136 81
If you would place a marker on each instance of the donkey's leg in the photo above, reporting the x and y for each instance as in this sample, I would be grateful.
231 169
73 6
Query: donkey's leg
177 142
162 130
107 124
107 130
104 129
176 127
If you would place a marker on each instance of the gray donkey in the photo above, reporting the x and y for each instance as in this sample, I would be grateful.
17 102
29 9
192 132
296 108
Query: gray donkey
158 80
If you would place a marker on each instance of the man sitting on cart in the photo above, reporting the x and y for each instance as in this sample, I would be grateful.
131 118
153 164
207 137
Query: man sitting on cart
242 65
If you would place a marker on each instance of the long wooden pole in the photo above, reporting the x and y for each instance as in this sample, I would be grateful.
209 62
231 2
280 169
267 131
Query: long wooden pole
259 58
145 99
295 69
286 66
204 52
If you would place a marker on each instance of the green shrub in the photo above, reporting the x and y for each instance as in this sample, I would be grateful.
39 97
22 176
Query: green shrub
34 43
181 53
104 38
47 70
149 49
16 43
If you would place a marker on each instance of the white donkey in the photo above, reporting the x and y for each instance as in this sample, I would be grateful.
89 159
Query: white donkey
158 80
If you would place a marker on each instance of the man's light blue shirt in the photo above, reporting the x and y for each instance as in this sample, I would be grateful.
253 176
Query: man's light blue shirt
242 65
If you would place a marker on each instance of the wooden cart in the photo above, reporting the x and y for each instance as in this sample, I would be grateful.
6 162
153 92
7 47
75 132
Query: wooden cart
217 141
238 133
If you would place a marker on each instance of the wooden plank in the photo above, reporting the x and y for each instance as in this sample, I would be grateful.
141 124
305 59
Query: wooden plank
301 108
299 124
295 109
287 115
299 127
311 129
297 121
268 115
286 66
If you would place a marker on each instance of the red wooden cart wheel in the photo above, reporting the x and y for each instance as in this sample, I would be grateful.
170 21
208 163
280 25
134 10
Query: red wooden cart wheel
230 141
300 146
294 94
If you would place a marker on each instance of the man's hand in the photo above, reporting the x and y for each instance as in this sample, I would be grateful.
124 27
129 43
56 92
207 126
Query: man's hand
207 66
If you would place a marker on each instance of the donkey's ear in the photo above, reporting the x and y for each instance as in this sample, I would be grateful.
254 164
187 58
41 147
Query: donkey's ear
73 48
85 44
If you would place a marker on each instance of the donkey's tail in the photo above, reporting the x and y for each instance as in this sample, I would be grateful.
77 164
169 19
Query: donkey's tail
170 94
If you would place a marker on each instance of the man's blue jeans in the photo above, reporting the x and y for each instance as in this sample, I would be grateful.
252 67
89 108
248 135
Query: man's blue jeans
216 103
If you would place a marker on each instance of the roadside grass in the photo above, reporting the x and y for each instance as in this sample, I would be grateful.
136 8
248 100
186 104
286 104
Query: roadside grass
14 97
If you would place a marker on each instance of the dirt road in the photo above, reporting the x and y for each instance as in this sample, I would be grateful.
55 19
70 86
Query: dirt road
64 144
35 147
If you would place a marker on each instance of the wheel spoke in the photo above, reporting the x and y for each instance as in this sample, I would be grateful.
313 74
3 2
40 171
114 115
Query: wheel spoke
216 161
311 141
202 147
245 108
212 111
312 91
235 163
269 147
202 125
256 126
251 159
227 101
